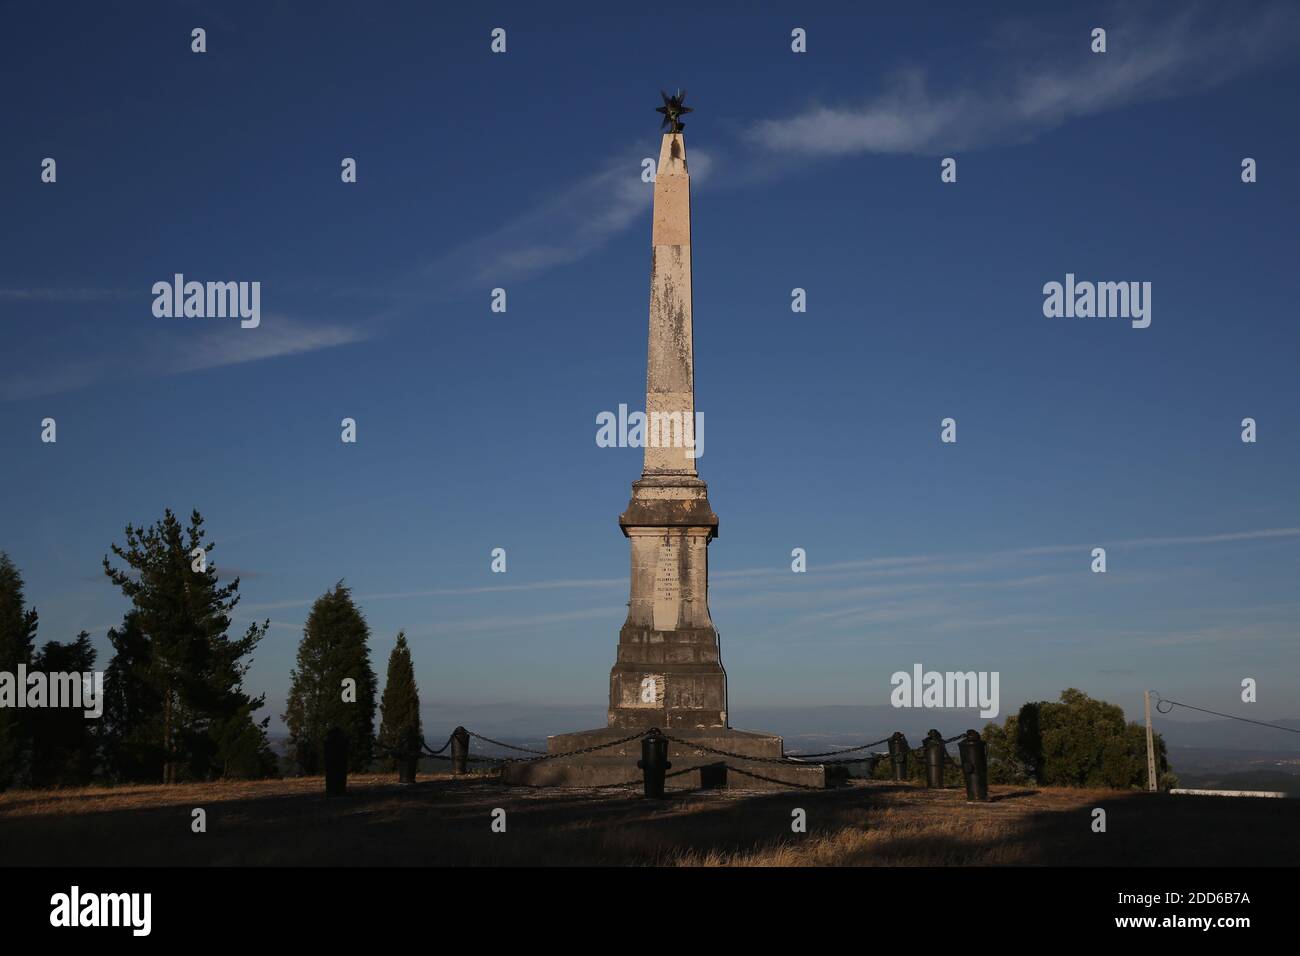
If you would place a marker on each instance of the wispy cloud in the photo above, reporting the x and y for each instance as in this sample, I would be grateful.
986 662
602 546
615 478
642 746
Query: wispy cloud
563 229
521 622
277 336
776 586
1040 77
174 353
63 295
1191 50
567 583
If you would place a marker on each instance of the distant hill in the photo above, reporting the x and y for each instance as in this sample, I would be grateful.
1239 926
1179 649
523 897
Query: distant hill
1246 780
1227 734
834 725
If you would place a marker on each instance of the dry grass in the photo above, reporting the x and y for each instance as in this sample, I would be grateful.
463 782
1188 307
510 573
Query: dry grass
446 821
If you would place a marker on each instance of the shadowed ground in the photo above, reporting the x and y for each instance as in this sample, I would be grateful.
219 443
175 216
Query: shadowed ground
446 821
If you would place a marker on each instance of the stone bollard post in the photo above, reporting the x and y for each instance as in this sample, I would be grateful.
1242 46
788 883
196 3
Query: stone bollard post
974 765
460 751
934 757
336 762
654 763
898 750
408 762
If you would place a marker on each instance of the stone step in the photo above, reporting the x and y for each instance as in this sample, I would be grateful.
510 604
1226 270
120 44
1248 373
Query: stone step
742 742
701 772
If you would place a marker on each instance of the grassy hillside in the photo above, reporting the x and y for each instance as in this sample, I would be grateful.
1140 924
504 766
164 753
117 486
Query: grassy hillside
447 821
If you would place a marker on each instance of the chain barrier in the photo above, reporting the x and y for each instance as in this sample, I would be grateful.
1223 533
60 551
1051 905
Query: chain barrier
489 740
843 750
539 755
791 760
433 753
759 776
640 780
571 753
424 750
836 763
782 761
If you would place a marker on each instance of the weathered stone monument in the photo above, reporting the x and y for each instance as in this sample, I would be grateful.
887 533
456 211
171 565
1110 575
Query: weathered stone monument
668 673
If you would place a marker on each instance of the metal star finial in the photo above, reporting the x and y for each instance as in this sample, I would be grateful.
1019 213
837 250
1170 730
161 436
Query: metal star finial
673 110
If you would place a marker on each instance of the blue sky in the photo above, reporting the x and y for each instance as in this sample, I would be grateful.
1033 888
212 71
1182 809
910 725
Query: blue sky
476 430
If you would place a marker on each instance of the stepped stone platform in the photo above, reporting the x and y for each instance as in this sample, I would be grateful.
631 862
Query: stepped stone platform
618 764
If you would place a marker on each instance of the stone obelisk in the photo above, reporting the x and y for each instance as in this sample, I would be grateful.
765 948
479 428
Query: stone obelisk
668 673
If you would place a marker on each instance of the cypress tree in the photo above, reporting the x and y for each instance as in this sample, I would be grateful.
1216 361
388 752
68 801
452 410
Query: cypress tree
399 710
194 668
17 638
333 650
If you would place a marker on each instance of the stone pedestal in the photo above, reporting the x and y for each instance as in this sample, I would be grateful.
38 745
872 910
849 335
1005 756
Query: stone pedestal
618 764
668 673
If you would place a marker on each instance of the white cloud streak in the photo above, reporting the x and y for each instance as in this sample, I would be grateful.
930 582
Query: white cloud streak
1051 79
175 353
1189 51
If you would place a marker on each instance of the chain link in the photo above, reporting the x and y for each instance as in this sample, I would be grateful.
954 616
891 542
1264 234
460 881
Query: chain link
489 740
433 753
782 761
845 750
865 759
783 783
549 756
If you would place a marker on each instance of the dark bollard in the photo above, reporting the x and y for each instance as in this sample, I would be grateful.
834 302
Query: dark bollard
336 762
409 761
459 751
934 757
974 765
898 750
654 763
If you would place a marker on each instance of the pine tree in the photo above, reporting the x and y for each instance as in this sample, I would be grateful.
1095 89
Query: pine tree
63 738
399 710
17 638
194 668
131 729
333 649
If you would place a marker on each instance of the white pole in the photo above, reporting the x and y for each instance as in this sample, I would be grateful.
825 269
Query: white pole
1151 745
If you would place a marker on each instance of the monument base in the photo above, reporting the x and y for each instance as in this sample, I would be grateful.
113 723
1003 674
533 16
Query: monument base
618 764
